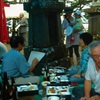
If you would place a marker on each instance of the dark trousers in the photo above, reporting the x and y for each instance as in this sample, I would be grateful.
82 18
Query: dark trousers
74 48
78 92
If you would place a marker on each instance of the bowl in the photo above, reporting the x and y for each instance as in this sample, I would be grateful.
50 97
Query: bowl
45 83
53 98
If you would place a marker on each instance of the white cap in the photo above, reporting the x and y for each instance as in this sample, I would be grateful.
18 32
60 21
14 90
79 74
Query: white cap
78 12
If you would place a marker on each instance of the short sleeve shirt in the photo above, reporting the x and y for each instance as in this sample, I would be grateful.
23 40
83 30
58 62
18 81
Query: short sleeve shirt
15 64
93 75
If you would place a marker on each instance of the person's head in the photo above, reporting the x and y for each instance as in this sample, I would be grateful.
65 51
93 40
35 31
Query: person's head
17 42
77 14
85 39
94 50
68 11
21 15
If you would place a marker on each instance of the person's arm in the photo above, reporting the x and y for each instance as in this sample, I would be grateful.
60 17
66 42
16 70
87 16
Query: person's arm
87 88
79 75
34 63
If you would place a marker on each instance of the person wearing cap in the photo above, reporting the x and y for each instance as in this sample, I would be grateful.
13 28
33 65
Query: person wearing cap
71 45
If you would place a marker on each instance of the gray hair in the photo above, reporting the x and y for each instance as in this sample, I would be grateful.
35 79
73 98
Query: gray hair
93 45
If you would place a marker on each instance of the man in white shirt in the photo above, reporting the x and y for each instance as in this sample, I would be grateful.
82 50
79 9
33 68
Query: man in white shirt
92 76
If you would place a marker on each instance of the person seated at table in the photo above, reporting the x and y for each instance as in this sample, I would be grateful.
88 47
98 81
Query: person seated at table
76 73
92 76
15 64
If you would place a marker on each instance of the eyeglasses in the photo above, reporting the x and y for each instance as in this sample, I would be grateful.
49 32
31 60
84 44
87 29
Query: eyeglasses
95 56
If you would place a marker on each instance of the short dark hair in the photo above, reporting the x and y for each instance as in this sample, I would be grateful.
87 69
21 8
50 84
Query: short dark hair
14 41
86 37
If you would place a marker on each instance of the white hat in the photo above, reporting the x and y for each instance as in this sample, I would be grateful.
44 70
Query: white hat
78 12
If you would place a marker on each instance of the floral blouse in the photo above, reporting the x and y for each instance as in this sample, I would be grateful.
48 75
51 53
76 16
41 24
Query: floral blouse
84 60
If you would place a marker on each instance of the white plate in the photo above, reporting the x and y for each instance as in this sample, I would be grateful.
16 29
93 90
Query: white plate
53 98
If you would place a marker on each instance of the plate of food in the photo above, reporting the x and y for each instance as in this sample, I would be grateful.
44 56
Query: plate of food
51 91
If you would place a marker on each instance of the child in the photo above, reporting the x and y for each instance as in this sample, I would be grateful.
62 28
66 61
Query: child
78 26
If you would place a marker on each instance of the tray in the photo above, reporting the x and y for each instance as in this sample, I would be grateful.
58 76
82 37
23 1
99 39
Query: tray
58 79
57 90
27 89
56 70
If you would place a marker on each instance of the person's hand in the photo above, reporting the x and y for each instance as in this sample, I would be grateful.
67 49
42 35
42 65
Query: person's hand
96 97
76 75
85 98
35 61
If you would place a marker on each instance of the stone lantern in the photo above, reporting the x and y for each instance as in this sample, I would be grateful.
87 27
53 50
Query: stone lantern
45 32
94 19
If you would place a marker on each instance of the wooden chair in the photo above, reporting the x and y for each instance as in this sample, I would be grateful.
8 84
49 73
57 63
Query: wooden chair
8 91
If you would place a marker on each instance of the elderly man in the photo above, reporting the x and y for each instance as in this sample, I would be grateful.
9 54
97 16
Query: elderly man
92 76
23 28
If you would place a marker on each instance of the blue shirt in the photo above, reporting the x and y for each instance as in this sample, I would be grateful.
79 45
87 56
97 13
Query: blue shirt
15 64
65 24
84 60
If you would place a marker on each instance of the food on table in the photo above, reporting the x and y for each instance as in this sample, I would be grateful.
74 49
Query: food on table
31 87
64 90
51 90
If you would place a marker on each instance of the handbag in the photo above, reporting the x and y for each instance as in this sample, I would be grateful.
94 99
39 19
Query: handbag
69 30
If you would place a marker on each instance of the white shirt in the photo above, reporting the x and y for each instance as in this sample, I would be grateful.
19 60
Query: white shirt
93 75
3 50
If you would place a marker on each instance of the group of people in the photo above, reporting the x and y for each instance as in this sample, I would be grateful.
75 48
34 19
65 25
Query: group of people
87 69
